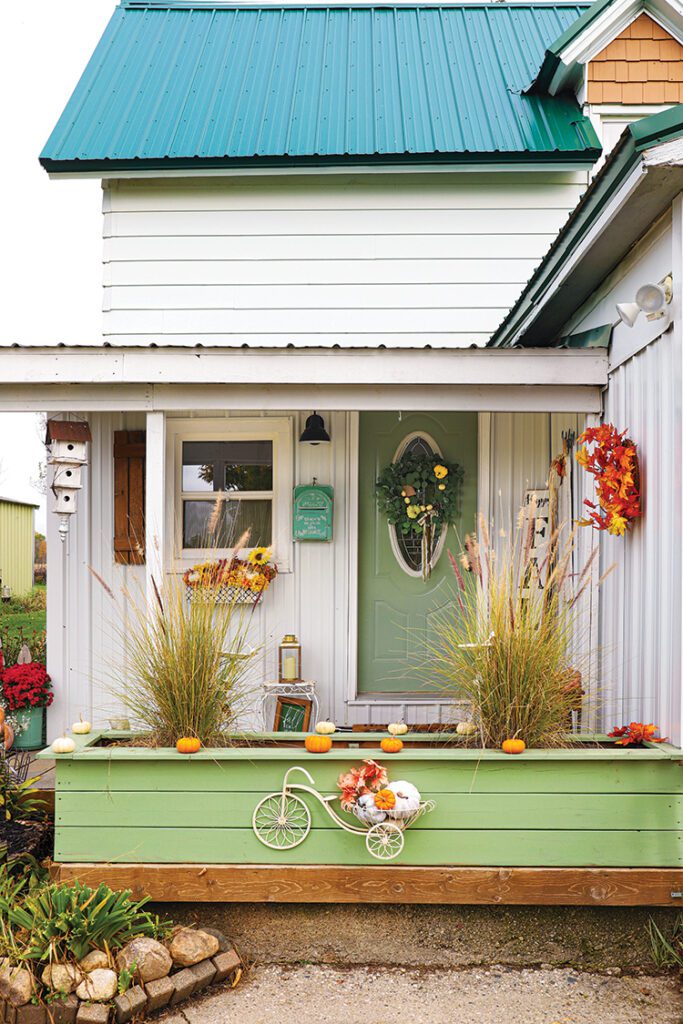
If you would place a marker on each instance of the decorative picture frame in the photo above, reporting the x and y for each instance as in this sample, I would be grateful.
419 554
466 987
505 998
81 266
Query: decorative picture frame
289 716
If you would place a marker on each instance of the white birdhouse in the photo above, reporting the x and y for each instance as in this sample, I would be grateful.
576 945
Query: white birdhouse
67 444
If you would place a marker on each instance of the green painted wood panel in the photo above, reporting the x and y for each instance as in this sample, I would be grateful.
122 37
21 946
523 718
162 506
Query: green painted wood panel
437 774
467 847
396 611
600 811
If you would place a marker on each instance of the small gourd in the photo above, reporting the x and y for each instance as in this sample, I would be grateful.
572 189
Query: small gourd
325 728
63 745
391 744
514 746
317 744
466 729
385 800
397 728
81 728
188 745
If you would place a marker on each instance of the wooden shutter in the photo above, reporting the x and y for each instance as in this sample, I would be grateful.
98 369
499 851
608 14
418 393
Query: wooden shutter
129 497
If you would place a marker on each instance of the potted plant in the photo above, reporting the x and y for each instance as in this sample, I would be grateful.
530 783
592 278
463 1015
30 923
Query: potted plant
27 691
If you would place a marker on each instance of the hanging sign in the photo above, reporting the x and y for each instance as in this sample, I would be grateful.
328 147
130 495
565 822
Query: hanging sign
313 505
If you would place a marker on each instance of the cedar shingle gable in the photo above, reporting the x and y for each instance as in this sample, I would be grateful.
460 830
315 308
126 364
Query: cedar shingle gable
642 65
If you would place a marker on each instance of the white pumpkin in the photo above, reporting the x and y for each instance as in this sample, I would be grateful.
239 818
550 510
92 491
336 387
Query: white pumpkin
367 811
407 799
63 745
466 729
397 728
81 728
325 728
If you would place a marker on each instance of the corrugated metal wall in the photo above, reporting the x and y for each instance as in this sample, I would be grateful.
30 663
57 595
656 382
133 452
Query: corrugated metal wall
640 627
16 546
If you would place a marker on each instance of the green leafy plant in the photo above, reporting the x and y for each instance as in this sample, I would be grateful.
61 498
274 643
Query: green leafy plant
64 922
19 801
667 949
126 977
188 663
507 642
417 484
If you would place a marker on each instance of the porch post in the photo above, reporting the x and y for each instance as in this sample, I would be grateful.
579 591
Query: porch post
155 502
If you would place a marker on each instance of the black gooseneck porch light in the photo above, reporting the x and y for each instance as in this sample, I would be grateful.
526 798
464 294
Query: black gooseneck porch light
314 432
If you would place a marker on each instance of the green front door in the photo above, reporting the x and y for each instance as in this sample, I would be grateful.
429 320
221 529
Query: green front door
394 607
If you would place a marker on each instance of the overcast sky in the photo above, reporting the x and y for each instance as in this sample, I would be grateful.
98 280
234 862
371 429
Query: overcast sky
51 230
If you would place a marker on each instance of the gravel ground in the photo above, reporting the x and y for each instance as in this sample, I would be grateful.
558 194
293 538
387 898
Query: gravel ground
312 994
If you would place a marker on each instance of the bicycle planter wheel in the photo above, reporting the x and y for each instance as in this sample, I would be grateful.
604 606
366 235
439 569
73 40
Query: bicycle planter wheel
281 821
385 841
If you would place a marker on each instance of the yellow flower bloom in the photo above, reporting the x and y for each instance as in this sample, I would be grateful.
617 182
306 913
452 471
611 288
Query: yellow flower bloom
260 556
442 487
413 511
440 472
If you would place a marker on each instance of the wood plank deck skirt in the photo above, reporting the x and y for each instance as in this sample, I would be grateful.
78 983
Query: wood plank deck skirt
247 883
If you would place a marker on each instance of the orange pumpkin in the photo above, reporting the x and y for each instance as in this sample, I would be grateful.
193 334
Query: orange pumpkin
514 746
317 744
7 734
188 745
385 800
391 745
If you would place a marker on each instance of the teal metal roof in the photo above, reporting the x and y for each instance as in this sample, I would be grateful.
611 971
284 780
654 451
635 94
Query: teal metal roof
185 84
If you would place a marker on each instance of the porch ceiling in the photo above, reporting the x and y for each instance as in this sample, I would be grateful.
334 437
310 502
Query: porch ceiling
98 378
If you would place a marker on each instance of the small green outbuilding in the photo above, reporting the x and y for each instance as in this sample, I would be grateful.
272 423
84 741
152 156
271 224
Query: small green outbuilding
17 530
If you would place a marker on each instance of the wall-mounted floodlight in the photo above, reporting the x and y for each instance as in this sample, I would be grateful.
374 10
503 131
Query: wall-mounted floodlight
651 299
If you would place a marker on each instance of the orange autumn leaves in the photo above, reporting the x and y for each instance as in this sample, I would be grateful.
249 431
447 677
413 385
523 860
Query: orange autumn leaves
612 459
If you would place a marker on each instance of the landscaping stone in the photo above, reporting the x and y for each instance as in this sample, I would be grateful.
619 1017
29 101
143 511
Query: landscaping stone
151 959
31 1014
62 977
20 987
224 943
5 975
190 946
98 986
65 1011
204 973
130 1004
159 993
226 964
183 985
93 960
10 1014
93 1013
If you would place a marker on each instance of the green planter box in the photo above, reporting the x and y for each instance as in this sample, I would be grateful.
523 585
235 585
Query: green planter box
580 807
32 721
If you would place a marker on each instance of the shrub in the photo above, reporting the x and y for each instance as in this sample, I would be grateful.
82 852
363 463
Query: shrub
506 643
14 639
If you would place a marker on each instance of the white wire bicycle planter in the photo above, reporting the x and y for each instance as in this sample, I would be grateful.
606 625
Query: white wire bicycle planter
282 820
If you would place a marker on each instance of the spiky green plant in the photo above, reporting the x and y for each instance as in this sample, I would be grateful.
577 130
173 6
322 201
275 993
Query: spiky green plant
59 923
506 643
667 949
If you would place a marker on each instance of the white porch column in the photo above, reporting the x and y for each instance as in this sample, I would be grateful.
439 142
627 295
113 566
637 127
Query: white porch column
155 502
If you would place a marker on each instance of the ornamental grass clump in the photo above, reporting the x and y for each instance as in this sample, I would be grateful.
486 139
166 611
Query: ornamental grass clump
187 661
507 643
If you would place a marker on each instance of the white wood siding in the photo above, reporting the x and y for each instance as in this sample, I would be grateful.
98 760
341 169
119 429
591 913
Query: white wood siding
400 260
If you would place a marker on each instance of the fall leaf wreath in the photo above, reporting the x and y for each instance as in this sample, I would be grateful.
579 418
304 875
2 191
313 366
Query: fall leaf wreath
612 458
421 494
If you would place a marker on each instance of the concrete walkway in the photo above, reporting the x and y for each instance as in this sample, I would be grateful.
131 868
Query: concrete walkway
325 995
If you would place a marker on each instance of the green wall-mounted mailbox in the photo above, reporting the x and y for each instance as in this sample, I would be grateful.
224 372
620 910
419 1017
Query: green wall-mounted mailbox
313 507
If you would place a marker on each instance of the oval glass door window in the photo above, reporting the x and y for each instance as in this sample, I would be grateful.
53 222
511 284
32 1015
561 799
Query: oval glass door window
407 547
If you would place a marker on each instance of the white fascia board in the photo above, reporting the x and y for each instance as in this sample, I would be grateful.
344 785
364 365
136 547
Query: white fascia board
292 367
667 154
351 397
601 225
463 167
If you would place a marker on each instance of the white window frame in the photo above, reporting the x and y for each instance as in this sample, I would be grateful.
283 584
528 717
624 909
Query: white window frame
278 430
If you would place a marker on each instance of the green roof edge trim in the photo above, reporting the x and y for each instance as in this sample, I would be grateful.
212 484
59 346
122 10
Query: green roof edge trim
639 136
596 337
552 60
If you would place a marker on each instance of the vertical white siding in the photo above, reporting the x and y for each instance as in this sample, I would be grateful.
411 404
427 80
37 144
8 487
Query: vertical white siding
641 609
402 260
